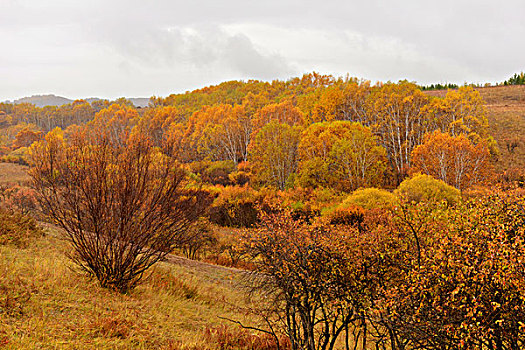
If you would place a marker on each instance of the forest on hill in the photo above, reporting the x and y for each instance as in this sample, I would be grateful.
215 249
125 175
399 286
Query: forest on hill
361 215
286 133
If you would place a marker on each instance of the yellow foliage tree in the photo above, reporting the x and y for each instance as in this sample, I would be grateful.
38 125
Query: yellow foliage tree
340 154
274 153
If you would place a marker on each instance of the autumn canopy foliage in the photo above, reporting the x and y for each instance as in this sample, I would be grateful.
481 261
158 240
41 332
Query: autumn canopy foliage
452 159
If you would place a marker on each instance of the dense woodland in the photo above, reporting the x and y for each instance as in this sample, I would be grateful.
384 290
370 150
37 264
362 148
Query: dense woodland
365 216
313 131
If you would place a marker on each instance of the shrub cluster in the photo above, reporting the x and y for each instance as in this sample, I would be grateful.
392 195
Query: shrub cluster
427 275
235 206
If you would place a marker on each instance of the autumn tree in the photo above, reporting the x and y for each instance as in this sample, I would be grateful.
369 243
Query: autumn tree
121 203
452 159
26 136
5 119
283 113
354 103
340 154
274 153
462 112
220 132
345 100
327 108
398 117
157 122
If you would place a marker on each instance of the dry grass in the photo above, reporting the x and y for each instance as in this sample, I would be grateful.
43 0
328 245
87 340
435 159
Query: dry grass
11 173
50 306
505 107
506 113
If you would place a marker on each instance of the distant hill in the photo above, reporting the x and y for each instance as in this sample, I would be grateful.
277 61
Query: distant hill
44 100
53 100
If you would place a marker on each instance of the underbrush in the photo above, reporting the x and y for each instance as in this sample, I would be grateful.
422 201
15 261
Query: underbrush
227 337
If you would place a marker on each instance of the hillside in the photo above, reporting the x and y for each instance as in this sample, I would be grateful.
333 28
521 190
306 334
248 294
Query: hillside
505 106
44 304
182 304
53 100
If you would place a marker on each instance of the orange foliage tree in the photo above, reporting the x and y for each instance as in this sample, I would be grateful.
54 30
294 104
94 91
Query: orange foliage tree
284 113
26 136
345 100
156 122
452 159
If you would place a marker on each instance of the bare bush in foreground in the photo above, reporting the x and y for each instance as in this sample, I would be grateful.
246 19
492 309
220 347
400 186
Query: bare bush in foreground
120 201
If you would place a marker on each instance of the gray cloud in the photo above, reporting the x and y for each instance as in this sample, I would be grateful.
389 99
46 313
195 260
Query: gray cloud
199 48
240 54
132 47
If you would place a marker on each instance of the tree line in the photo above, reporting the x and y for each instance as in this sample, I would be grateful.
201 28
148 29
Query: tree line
303 131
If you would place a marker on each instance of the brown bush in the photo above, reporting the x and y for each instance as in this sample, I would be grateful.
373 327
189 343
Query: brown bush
17 229
198 239
19 198
352 216
122 203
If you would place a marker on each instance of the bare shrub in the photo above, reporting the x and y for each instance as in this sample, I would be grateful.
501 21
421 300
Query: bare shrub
198 239
121 202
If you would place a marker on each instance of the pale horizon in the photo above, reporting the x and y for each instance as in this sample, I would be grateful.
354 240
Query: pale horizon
111 49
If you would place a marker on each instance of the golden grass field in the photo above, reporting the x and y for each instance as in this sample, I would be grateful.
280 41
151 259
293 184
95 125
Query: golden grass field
45 304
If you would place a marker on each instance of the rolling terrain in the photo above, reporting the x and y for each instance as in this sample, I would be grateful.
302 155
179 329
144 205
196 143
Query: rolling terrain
46 305
53 100
505 106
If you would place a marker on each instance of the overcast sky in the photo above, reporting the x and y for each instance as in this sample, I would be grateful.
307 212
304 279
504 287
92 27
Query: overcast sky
140 48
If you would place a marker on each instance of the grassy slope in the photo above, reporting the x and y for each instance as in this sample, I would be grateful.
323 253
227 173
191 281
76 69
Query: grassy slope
506 113
505 107
174 305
